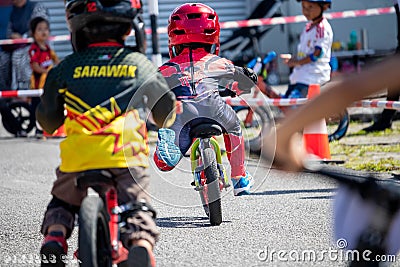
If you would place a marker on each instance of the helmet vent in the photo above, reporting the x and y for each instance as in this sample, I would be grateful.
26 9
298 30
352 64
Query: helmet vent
179 32
176 18
194 16
211 16
209 31
109 3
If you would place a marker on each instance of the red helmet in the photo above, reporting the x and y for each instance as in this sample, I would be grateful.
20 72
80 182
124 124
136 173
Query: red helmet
193 23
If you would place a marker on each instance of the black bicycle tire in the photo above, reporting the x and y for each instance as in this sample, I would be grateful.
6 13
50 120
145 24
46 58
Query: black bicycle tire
253 145
205 203
92 214
341 129
213 190
15 106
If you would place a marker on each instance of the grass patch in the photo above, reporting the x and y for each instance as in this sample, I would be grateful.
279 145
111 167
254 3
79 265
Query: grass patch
381 165
360 150
367 157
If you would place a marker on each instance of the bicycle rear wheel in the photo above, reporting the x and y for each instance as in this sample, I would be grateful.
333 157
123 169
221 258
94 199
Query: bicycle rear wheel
94 235
211 194
252 120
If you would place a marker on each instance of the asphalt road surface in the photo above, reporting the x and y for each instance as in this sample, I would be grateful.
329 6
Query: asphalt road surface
285 222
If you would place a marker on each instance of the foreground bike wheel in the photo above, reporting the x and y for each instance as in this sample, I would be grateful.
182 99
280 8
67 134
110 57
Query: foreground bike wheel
22 113
211 194
94 235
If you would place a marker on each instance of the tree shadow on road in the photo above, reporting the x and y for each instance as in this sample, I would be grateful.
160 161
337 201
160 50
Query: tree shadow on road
184 222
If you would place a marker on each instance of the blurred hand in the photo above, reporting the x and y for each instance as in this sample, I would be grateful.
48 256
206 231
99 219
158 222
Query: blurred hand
16 35
287 153
285 58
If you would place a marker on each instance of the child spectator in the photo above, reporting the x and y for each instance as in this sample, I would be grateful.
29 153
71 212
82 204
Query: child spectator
195 73
102 85
311 65
42 60
22 13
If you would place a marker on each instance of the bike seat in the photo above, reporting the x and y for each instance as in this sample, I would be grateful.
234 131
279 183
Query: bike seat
94 179
205 130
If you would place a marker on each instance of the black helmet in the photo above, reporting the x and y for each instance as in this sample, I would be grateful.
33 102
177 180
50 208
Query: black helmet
81 13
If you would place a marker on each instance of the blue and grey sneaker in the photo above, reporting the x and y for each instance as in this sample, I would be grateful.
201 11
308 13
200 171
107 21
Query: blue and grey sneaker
167 151
243 185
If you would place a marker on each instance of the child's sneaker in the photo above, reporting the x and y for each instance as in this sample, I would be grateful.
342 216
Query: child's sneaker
53 250
140 256
243 185
166 149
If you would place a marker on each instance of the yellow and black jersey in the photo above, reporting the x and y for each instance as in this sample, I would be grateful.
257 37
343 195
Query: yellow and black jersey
101 88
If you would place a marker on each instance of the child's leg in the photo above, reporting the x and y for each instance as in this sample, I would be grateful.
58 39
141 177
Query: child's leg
172 143
140 231
235 152
59 218
234 144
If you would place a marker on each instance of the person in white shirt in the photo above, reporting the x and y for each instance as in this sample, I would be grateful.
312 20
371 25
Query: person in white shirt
311 64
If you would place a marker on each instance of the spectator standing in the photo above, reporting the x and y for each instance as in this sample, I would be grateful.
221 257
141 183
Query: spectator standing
385 119
311 65
42 59
5 69
22 13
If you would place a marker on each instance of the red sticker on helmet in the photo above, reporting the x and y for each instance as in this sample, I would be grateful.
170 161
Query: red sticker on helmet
91 7
136 4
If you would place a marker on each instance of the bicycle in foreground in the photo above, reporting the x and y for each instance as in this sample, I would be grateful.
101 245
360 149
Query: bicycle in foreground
210 177
100 221
366 215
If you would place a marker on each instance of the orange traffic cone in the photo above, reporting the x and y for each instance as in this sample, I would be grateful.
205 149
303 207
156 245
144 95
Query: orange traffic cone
60 132
315 136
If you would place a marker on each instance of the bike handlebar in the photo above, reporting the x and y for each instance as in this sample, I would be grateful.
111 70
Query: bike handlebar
384 192
257 64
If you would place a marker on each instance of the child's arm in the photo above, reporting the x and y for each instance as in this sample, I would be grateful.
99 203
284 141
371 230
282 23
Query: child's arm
246 78
50 111
162 102
54 57
36 68
293 62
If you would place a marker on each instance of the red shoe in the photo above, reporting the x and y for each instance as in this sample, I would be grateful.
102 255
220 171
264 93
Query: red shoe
53 250
140 257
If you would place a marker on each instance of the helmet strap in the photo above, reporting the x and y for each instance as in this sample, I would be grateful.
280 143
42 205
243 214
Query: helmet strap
213 49
174 53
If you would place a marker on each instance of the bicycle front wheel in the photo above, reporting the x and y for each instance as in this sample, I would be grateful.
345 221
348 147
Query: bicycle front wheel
94 235
211 194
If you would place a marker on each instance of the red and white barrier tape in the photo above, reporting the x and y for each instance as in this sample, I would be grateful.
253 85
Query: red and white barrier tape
247 23
265 102
237 101
21 93
299 101
377 104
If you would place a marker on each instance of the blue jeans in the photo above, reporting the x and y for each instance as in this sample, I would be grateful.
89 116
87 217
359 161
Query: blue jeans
297 90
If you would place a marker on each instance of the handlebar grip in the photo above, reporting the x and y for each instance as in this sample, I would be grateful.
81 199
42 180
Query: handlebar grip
269 57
